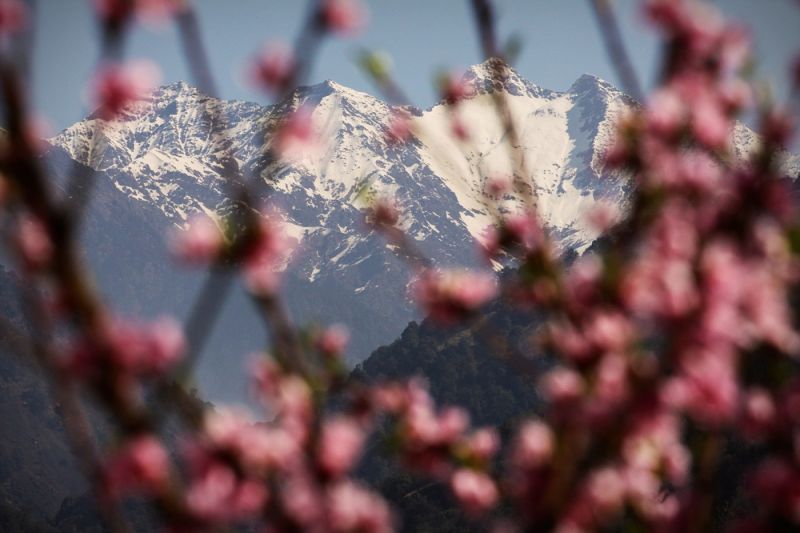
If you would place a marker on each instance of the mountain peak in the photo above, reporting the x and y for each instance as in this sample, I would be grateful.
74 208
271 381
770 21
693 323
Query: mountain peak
590 83
487 68
176 89
495 74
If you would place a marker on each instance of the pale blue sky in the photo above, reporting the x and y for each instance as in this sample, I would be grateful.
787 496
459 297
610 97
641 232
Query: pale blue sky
561 42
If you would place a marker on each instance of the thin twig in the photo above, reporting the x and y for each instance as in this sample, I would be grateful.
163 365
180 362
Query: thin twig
612 37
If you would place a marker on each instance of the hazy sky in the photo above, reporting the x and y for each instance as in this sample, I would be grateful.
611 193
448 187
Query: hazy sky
560 43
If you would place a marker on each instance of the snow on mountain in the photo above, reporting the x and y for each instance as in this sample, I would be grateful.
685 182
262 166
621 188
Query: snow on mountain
175 151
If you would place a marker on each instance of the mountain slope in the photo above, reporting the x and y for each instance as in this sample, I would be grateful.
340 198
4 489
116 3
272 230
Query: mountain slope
171 154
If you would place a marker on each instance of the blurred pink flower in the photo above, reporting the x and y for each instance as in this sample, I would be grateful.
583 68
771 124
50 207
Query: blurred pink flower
383 213
344 17
332 341
459 128
517 233
273 67
340 445
115 86
710 123
450 295
118 12
13 16
759 413
217 494
498 185
665 113
456 88
354 508
482 444
399 129
265 255
141 465
34 243
296 134
475 491
562 385
534 445
130 347
200 242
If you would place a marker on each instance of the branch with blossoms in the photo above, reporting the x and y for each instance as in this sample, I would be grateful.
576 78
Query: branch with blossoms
675 337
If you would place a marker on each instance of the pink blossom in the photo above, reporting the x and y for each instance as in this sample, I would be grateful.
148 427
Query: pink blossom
340 445
118 12
115 86
519 232
698 171
424 428
482 444
294 398
332 341
734 49
296 134
712 387
264 257
582 280
266 374
218 495
353 508
666 112
150 348
569 341
201 241
302 499
384 213
459 128
456 88
659 287
498 185
389 397
13 16
399 129
611 382
603 216
450 295
710 123
476 491
131 347
562 385
34 243
759 413
670 14
114 12
157 12
534 445
257 448
606 489
141 465
609 330
273 68
345 17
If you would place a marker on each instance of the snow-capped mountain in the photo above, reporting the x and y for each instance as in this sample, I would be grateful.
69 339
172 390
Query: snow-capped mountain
175 149
171 154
